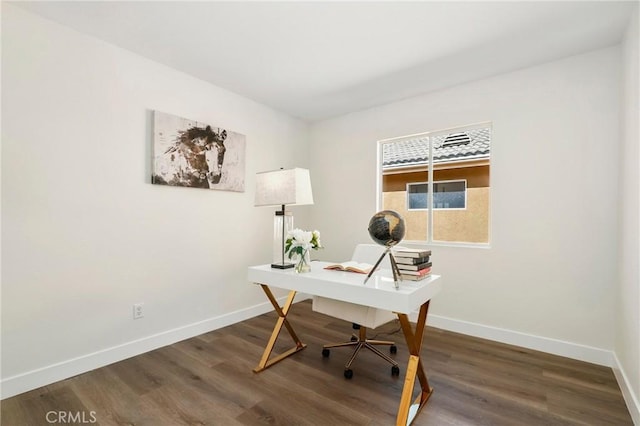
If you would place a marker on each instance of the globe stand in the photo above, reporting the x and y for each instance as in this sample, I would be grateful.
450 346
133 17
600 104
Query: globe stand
394 268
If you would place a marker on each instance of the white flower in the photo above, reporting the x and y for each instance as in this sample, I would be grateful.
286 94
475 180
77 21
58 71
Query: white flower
299 241
306 237
295 234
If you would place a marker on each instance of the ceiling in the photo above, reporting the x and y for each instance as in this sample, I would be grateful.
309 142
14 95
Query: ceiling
316 60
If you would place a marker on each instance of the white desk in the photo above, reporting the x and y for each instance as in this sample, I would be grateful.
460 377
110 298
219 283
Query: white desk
379 292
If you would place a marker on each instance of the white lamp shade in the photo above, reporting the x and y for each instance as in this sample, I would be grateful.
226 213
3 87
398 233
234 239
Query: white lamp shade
280 187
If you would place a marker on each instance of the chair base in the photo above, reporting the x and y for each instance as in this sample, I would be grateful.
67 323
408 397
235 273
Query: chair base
360 342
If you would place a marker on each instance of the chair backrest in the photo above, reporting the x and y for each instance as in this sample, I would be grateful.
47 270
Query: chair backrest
359 314
368 253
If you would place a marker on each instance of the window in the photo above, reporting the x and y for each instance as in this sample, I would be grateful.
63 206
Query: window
417 196
439 182
446 195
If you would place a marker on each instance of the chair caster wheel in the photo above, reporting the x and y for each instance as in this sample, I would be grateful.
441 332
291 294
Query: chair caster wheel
354 339
325 353
395 370
393 349
348 373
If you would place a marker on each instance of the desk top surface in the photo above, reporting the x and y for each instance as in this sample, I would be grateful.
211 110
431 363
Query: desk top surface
379 292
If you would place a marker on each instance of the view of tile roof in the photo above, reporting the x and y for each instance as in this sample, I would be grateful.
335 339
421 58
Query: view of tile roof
472 144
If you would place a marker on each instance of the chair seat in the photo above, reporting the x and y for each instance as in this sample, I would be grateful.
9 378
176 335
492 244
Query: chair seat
365 316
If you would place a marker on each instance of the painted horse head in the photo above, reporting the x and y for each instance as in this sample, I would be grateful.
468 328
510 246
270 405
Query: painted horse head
203 152
215 155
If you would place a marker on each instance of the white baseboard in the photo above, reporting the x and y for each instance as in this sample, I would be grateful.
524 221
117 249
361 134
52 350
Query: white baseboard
34 379
538 343
544 344
630 397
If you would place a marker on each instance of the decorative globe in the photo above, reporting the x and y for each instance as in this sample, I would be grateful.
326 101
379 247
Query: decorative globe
387 228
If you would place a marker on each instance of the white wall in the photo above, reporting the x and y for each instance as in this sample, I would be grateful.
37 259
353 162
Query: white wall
549 279
84 233
627 345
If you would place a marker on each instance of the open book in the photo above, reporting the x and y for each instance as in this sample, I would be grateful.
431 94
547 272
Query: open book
351 266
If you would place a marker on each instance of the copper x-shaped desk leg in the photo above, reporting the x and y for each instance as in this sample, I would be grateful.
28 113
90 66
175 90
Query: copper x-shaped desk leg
265 362
414 369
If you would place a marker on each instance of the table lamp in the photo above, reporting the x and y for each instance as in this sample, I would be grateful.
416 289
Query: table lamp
281 188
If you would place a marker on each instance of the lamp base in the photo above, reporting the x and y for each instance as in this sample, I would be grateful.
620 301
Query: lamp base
282 224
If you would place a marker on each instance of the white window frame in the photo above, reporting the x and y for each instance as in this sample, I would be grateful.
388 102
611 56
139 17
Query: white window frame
379 195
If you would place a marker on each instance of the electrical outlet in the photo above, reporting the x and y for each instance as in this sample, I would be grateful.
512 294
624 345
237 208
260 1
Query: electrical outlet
138 311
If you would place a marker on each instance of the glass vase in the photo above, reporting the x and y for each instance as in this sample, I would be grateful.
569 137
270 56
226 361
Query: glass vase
303 263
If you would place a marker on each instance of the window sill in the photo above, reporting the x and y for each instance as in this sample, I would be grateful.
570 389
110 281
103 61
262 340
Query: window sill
424 244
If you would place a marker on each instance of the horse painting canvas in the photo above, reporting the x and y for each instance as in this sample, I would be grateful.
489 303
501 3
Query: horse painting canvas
189 153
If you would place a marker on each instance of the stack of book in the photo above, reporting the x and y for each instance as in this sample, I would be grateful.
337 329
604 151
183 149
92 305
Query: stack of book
414 264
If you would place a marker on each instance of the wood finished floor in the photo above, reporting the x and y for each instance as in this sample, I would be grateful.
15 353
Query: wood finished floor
208 380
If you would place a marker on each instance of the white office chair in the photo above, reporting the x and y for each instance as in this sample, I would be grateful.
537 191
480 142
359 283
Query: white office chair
362 317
